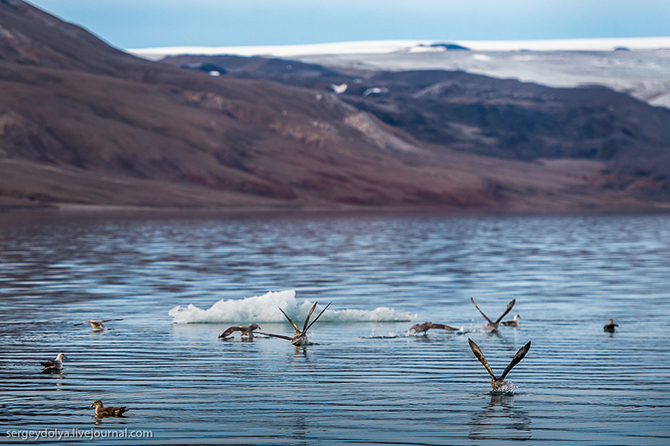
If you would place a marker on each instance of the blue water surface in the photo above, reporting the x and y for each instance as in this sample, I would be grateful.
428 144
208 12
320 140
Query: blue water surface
363 383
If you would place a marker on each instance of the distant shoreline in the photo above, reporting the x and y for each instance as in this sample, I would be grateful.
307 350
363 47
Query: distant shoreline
391 46
97 209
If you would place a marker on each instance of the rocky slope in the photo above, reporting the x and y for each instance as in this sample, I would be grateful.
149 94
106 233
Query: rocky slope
481 115
83 123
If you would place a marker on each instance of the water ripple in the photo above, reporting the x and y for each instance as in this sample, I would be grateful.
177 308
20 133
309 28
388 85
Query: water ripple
358 383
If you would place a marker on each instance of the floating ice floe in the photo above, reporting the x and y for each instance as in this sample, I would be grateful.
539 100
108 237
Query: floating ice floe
265 308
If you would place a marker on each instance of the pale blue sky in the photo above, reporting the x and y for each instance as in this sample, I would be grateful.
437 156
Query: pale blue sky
156 23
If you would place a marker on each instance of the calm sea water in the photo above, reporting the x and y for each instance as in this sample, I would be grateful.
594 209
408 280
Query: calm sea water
363 380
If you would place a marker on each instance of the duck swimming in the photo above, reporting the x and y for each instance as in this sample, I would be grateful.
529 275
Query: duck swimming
101 411
494 325
497 382
300 337
610 326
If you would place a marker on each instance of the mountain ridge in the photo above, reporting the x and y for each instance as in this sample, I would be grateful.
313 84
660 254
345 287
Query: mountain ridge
84 124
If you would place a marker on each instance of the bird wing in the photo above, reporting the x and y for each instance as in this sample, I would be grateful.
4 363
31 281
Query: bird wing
443 327
288 338
304 327
317 318
477 306
230 330
509 308
113 410
297 330
518 357
478 353
48 363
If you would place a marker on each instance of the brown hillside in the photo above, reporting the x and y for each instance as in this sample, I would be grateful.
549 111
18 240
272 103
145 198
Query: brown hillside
83 123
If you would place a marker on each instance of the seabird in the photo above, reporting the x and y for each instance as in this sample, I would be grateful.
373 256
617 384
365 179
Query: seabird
494 325
513 323
300 337
421 328
54 364
339 89
497 382
610 326
97 325
107 411
245 331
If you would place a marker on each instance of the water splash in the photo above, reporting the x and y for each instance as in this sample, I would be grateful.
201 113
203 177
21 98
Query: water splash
389 335
508 388
265 308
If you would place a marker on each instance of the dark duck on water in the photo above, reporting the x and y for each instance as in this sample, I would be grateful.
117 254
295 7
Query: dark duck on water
101 411
610 326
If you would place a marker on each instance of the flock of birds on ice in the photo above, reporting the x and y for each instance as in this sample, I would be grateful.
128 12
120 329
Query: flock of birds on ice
300 338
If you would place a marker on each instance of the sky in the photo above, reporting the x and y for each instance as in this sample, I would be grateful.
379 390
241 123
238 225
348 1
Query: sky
130 24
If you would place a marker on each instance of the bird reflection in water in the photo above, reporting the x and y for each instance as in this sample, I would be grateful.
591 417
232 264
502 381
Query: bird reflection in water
301 351
299 427
57 374
115 420
499 419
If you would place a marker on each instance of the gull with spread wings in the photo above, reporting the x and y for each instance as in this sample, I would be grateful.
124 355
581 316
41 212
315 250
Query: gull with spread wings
494 325
98 325
244 331
300 337
423 328
497 382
